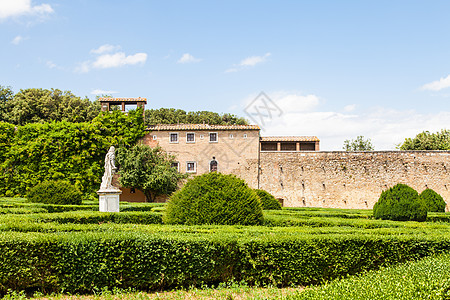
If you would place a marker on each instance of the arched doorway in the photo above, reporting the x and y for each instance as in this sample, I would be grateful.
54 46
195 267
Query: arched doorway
213 165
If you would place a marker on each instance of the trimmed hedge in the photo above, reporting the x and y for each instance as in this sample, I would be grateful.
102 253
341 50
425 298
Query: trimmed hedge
268 201
426 279
433 201
55 192
214 198
84 262
400 203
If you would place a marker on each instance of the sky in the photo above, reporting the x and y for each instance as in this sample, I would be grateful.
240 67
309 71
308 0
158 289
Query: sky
331 69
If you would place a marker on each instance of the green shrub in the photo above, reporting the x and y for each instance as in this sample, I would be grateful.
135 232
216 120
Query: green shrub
428 278
267 200
433 201
55 192
214 198
400 203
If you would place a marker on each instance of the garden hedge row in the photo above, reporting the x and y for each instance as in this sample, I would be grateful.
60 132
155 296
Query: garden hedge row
83 262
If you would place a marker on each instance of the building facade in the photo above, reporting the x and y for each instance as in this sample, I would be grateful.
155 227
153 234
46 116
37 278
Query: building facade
293 169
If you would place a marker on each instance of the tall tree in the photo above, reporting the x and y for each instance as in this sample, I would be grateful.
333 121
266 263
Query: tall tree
174 116
6 96
428 141
148 169
358 144
41 105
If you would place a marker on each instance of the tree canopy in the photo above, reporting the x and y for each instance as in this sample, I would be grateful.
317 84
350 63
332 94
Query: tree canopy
6 96
175 116
148 169
428 141
358 144
42 105
33 153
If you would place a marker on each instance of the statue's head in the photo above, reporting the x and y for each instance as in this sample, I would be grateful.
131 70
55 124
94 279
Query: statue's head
111 149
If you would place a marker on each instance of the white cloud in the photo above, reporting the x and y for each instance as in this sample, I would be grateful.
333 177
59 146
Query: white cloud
248 62
306 115
253 60
188 58
105 49
437 85
16 8
51 64
110 60
17 40
103 92
118 59
350 107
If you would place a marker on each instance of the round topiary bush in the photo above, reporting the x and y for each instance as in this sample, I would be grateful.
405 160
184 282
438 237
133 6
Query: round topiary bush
267 200
433 201
55 192
214 198
400 203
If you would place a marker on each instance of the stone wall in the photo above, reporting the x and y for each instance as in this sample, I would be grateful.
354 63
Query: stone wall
347 179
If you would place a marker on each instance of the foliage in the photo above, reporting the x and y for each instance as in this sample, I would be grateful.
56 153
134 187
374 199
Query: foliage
6 96
214 198
428 141
79 252
175 116
148 169
359 144
41 105
425 279
55 192
400 203
268 201
62 150
434 202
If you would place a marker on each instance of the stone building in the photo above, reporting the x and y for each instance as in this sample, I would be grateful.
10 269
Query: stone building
293 169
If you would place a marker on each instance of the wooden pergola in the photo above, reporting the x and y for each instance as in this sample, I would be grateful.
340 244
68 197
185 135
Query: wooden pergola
106 102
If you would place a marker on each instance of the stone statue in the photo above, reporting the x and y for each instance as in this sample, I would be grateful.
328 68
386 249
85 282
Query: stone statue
110 169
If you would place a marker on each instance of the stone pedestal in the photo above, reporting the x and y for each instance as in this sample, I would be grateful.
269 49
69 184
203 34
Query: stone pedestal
109 200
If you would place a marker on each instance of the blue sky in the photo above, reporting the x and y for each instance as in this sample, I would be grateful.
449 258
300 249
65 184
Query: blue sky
335 69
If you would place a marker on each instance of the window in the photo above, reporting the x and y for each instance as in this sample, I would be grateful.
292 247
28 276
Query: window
155 137
190 137
213 137
191 167
176 165
231 136
174 137
245 135
213 165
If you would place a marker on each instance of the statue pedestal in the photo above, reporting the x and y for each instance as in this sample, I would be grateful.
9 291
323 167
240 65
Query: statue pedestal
109 200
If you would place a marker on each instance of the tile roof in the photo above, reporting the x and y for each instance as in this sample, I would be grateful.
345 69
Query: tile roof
290 139
110 99
174 127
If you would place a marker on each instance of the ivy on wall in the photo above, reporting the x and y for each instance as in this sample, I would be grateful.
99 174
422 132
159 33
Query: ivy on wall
36 152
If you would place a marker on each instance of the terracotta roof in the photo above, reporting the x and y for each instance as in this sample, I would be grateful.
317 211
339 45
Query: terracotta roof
174 127
108 99
290 139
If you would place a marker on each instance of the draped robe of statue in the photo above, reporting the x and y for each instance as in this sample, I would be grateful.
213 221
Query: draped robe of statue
109 170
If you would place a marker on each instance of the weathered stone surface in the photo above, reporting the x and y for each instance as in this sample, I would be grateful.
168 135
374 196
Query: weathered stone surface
347 179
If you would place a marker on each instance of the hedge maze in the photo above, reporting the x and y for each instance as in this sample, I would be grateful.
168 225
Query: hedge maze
76 249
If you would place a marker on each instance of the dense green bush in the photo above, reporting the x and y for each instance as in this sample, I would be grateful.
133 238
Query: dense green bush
400 203
37 152
214 198
86 261
426 279
55 192
433 201
267 200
